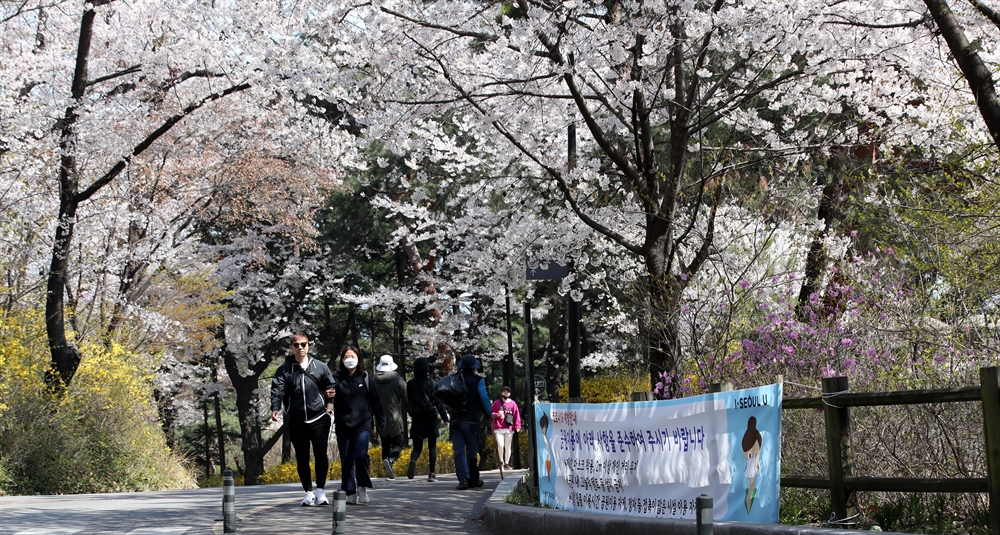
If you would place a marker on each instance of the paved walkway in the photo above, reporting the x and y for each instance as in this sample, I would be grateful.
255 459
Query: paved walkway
403 507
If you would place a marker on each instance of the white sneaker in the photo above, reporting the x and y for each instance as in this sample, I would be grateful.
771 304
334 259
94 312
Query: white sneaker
362 495
310 499
352 499
321 497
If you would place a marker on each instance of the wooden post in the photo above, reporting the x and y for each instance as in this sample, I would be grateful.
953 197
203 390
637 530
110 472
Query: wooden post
990 387
840 455
218 430
720 387
642 396
208 437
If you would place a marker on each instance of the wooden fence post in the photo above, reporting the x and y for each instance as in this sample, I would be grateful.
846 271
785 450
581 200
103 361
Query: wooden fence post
989 381
840 455
720 387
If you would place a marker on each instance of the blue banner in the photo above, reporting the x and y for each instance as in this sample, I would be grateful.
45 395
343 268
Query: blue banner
654 458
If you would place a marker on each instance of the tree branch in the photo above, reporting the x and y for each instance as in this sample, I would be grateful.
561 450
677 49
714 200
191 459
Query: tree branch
555 174
987 12
151 138
706 244
980 77
130 70
858 24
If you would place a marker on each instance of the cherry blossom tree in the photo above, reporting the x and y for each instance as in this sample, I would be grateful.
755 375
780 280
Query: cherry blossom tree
682 107
93 87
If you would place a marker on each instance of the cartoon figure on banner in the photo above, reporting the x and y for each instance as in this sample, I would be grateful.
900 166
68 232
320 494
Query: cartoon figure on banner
751 452
543 422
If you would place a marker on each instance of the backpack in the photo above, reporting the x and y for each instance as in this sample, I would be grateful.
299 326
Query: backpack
451 391
422 405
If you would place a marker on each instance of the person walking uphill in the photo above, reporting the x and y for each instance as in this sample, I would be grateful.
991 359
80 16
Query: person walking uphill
392 392
465 425
425 410
353 407
303 385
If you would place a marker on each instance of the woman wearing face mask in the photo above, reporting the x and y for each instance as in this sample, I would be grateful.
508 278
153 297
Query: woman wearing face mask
506 422
353 406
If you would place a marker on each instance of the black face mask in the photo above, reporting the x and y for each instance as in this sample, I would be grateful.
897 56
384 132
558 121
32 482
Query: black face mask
505 396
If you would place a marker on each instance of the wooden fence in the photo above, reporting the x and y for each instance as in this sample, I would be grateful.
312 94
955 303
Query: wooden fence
837 401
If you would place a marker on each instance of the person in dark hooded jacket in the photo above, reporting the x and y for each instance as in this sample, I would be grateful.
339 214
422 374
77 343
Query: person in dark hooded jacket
424 409
354 405
465 424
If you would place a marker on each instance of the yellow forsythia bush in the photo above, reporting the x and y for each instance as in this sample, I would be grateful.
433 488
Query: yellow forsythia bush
609 388
99 435
286 472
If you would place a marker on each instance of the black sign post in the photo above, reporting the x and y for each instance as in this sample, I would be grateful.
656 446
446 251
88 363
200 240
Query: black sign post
548 270
529 393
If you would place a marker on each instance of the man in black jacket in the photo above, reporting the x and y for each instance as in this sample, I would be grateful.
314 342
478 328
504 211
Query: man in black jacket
303 385
465 424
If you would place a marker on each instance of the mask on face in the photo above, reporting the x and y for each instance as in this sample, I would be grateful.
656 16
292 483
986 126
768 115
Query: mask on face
350 364
505 395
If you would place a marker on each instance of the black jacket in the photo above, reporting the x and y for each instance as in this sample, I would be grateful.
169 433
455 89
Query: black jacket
476 402
355 404
303 398
419 391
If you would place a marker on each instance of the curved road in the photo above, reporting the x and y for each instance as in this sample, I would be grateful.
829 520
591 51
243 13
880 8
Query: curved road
402 506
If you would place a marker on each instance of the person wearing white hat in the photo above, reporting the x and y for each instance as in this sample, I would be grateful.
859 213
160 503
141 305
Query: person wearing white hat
391 390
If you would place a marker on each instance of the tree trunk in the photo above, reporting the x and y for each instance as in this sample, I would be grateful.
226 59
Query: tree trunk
65 356
247 397
816 258
663 331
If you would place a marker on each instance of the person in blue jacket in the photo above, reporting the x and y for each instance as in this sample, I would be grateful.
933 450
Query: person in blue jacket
465 424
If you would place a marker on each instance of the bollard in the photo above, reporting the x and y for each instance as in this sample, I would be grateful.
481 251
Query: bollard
228 502
703 514
339 511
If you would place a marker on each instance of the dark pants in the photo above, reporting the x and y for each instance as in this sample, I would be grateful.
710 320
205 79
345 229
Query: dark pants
354 461
432 451
302 435
392 446
465 442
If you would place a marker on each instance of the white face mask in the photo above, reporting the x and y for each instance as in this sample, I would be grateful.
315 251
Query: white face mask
350 364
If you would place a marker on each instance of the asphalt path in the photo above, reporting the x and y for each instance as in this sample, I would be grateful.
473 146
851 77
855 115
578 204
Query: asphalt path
402 506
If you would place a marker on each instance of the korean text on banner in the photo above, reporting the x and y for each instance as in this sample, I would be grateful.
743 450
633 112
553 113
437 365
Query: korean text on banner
654 458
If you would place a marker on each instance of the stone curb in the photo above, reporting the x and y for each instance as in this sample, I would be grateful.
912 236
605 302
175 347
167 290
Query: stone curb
503 518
